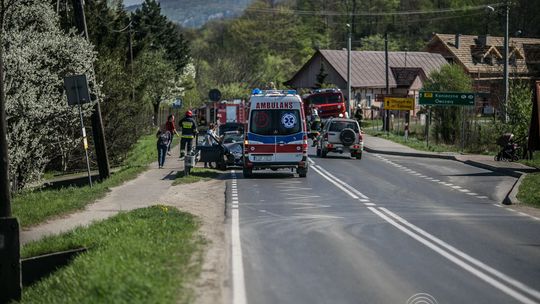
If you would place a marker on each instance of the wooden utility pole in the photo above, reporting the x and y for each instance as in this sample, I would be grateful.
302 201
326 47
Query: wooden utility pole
10 257
97 122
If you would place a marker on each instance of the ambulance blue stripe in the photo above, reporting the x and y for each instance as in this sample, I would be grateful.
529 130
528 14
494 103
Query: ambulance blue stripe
273 139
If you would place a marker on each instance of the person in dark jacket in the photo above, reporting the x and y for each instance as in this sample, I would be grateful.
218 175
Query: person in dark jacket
170 126
163 140
189 130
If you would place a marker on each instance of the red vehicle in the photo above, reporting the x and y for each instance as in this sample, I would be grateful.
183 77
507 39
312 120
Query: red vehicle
328 102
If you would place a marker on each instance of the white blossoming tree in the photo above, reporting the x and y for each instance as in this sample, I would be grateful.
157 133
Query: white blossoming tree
37 56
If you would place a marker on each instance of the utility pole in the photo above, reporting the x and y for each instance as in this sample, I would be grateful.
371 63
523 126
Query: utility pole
505 72
131 57
349 97
97 122
386 64
10 257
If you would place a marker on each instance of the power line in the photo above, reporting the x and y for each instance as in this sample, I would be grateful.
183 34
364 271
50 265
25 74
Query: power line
370 14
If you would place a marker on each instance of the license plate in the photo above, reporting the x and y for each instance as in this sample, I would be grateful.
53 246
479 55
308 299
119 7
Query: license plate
262 157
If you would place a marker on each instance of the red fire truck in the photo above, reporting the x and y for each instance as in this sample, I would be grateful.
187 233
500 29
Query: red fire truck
328 102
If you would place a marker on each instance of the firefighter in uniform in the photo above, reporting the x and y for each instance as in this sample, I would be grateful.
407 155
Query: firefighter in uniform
189 130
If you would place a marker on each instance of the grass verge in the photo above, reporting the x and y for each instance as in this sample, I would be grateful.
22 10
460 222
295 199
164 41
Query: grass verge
535 162
196 175
528 190
143 256
36 206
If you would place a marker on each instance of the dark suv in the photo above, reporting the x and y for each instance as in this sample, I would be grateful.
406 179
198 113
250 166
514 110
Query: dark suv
341 135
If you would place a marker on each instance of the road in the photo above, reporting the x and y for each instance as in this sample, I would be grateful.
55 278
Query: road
384 229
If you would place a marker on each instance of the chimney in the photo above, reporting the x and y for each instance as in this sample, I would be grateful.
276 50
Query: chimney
483 40
456 43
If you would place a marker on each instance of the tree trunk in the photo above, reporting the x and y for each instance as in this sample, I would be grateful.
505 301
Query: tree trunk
156 113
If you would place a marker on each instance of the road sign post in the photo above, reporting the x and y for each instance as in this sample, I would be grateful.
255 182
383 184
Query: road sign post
78 93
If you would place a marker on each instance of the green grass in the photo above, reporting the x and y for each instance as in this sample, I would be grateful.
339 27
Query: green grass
535 162
33 207
196 175
528 190
143 256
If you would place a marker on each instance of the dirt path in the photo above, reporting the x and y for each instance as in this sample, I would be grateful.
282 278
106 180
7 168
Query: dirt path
207 201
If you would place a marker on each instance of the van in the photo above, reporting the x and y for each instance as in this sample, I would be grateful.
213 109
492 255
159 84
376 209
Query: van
276 135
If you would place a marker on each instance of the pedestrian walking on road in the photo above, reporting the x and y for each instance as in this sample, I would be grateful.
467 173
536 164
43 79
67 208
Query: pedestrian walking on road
163 140
171 127
189 130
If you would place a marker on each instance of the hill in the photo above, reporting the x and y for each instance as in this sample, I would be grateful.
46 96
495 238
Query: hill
195 13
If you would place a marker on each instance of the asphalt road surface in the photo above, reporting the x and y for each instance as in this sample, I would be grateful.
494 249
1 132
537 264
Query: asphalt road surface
384 229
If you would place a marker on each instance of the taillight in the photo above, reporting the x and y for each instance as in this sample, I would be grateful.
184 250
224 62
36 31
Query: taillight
325 137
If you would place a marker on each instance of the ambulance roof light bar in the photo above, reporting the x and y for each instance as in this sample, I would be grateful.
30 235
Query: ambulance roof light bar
258 91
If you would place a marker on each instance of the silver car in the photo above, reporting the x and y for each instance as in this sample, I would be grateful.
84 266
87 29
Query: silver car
341 135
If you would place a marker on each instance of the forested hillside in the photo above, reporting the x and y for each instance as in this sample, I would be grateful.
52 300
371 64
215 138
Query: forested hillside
195 13
272 39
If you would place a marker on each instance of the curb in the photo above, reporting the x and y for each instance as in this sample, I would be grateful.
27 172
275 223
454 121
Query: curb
511 196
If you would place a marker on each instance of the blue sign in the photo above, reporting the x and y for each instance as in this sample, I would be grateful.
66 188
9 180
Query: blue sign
177 104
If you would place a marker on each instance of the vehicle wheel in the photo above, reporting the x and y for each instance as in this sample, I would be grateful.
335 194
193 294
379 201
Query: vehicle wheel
222 165
323 153
359 155
247 172
318 152
497 158
302 172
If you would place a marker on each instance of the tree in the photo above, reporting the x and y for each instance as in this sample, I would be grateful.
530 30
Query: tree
156 78
376 43
321 77
519 111
447 120
38 55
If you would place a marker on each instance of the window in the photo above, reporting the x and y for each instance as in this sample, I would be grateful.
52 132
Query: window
338 126
275 122
368 100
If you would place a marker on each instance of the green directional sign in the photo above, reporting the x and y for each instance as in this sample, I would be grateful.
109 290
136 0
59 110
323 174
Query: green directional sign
428 98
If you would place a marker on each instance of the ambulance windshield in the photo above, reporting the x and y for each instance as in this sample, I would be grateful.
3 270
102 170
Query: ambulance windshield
275 122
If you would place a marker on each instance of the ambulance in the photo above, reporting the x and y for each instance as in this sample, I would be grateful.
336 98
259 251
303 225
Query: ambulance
276 135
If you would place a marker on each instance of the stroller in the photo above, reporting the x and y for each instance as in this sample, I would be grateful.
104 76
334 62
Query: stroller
509 149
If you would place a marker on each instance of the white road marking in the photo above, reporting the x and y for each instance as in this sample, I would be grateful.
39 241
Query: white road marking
334 182
463 260
370 204
464 190
472 193
436 180
344 184
497 205
239 286
523 213
482 196
445 249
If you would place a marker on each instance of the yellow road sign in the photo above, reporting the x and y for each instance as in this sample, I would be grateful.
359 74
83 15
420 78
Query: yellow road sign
398 103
